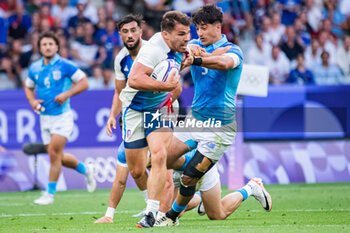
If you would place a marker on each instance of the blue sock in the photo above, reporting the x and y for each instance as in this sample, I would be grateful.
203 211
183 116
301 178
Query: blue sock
51 187
244 193
177 208
81 168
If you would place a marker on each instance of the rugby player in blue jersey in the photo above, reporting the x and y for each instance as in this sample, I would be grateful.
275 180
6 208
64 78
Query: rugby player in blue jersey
215 79
53 76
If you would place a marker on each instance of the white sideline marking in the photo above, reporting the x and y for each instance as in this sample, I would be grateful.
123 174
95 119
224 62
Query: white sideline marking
73 213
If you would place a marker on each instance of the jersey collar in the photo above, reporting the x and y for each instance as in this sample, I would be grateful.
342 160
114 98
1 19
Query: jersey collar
52 62
219 43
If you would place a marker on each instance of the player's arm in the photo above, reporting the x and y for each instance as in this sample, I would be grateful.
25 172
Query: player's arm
139 78
116 107
177 92
221 62
81 84
29 90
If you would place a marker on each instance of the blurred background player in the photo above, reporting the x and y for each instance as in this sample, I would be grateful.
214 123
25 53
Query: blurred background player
144 94
53 76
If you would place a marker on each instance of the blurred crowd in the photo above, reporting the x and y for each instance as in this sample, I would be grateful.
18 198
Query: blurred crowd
301 41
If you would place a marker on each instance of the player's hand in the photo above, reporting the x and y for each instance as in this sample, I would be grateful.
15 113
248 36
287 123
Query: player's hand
196 50
111 123
61 98
187 61
172 81
37 107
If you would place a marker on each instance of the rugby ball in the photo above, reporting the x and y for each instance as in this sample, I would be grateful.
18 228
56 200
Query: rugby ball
164 69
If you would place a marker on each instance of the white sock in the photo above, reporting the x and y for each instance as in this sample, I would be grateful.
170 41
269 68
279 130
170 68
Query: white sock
145 195
248 189
152 206
110 212
160 214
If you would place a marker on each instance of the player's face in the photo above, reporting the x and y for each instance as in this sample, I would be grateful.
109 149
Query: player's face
48 47
209 33
131 34
179 38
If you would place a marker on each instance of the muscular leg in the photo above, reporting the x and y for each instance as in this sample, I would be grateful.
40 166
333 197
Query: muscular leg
55 150
217 208
137 161
167 197
69 161
158 142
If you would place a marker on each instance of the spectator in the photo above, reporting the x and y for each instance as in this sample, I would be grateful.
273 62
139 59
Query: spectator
335 16
102 19
302 35
265 29
45 13
33 6
313 54
110 10
90 12
230 29
19 23
74 21
328 46
276 29
85 50
240 12
300 75
96 80
278 65
28 57
35 22
314 15
63 11
187 6
290 10
44 25
327 73
343 58
259 11
9 6
259 52
291 46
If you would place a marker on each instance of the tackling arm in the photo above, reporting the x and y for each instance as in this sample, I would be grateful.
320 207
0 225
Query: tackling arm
139 78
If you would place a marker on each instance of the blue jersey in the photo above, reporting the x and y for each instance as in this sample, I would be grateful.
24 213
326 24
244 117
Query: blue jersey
215 90
150 55
52 80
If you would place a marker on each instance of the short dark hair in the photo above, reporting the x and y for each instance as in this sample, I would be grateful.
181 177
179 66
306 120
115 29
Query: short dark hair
209 14
49 34
170 19
130 18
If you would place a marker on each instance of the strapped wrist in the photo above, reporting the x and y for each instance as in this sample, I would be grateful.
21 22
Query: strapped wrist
197 61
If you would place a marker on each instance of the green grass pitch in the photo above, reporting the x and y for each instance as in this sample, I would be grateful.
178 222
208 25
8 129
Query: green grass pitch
296 208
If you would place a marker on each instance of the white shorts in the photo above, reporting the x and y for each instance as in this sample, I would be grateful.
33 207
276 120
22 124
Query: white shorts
212 143
60 124
208 181
135 130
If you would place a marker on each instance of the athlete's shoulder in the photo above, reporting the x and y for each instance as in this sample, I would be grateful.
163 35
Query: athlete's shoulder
67 62
36 66
234 49
120 56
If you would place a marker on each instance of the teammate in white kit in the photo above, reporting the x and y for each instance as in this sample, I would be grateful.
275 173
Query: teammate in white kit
146 95
53 76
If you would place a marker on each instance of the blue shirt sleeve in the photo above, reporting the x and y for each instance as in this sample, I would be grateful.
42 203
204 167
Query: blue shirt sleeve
70 68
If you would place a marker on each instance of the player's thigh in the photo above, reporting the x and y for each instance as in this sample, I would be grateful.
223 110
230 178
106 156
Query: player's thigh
136 159
212 202
56 146
158 143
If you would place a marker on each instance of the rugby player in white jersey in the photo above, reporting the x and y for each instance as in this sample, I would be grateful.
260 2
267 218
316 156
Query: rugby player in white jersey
130 32
142 95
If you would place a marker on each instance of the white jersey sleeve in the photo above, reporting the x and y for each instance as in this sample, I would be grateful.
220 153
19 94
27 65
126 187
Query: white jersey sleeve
119 75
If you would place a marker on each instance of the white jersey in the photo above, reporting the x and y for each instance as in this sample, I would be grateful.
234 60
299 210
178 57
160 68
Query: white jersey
123 63
150 55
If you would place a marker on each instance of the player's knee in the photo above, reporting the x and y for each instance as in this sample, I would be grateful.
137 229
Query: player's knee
216 215
188 181
158 157
136 173
122 183
187 191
